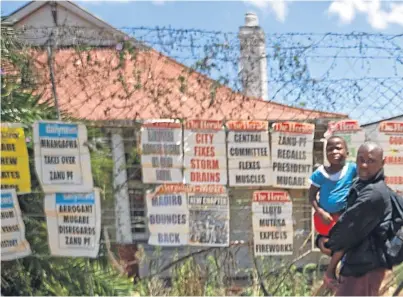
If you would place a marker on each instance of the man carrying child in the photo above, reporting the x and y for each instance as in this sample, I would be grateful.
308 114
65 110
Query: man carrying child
356 233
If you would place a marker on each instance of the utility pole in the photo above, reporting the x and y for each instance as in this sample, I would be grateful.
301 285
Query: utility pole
51 45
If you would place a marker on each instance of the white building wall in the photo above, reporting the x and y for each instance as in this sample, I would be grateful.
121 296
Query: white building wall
71 29
371 130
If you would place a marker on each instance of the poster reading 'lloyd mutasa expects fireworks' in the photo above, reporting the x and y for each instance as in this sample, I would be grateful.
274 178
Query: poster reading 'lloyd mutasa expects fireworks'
272 223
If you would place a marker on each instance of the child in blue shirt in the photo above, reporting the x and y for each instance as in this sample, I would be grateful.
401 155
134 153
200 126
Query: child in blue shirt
333 184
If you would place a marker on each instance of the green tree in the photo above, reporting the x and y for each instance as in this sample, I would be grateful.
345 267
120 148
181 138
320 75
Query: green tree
40 273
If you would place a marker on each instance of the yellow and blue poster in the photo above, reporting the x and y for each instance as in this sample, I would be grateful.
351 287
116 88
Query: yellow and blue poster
14 159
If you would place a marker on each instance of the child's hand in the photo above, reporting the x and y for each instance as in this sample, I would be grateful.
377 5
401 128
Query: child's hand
326 217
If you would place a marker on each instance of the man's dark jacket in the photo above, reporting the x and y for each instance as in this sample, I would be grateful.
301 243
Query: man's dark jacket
360 227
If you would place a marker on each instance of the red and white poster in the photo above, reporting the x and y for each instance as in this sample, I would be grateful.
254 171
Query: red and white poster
205 158
168 215
292 154
248 153
181 214
352 133
273 230
208 216
161 152
390 137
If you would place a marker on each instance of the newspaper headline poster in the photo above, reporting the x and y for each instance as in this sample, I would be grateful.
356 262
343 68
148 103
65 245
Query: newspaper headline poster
74 223
205 159
161 152
13 242
272 223
62 158
292 154
390 137
15 172
208 216
188 215
352 133
168 216
248 153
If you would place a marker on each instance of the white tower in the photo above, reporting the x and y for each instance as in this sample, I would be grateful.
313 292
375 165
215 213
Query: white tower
253 60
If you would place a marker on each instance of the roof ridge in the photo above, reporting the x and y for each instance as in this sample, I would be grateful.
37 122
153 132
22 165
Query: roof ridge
269 102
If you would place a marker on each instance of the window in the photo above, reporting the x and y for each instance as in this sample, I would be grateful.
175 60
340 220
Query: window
138 214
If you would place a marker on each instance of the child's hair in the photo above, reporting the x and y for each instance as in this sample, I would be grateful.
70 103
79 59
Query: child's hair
338 137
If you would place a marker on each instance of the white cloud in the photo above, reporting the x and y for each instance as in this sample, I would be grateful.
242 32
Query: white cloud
279 7
378 16
344 9
396 14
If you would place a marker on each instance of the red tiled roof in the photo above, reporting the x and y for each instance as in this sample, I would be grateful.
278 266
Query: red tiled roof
92 85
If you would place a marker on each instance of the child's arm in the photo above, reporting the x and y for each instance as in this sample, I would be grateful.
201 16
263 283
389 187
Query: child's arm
331 269
313 191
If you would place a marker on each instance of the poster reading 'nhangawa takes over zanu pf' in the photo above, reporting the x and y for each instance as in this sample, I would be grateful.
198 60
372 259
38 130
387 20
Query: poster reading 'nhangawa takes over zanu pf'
161 152
205 159
272 223
62 158
291 154
248 153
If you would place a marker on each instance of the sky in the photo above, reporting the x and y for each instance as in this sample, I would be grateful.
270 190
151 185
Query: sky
274 16
338 16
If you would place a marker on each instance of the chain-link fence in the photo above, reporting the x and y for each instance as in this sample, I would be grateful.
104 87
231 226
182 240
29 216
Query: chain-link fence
111 82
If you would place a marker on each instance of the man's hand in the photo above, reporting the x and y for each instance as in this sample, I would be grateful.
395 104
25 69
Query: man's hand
326 217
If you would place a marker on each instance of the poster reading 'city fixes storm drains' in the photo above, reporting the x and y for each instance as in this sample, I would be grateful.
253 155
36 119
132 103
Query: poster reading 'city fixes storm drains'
272 223
74 223
62 159
205 159
13 242
188 215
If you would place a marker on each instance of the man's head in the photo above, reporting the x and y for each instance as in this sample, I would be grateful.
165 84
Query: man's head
369 160
336 150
